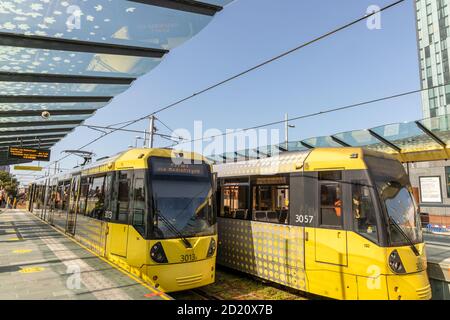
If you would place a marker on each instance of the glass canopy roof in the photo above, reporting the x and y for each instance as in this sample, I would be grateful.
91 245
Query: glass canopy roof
71 58
25 60
422 140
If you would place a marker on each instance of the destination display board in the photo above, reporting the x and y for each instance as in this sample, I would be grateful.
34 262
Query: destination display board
29 154
166 167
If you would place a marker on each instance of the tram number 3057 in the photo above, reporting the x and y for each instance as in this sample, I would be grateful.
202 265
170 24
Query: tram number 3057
303 218
188 257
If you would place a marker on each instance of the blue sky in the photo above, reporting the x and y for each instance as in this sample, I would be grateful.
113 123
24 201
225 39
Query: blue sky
354 65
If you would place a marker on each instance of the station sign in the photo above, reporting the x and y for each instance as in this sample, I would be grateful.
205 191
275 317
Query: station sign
28 168
28 154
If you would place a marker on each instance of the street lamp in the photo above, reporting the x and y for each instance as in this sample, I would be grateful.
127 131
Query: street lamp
136 140
287 126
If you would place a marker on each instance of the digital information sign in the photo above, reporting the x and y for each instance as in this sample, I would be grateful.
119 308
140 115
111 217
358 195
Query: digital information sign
28 154
28 168
165 166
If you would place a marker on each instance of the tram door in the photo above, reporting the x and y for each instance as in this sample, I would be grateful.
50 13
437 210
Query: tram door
52 202
330 236
73 205
118 231
31 197
45 196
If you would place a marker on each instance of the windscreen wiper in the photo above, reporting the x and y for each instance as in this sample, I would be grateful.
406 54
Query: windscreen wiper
411 244
169 225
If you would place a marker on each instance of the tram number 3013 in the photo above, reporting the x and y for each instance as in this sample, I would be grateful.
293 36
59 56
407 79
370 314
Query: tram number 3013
303 218
188 257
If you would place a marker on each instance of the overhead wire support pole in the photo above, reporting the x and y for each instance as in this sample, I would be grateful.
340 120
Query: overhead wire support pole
286 131
151 131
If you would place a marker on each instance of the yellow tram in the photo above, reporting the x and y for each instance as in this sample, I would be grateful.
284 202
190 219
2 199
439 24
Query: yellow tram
335 222
151 211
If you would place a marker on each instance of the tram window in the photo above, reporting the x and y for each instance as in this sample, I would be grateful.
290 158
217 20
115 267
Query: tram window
65 195
110 198
270 203
235 202
58 198
330 204
364 218
139 203
83 195
48 199
73 193
74 187
42 198
123 197
95 204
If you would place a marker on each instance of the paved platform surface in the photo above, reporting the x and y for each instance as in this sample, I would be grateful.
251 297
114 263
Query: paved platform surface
38 262
438 254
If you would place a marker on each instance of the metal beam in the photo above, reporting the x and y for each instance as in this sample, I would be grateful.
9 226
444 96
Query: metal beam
306 145
33 113
32 138
184 5
39 123
24 143
51 99
431 134
245 156
32 145
262 153
281 148
62 78
32 133
339 141
36 144
40 42
384 141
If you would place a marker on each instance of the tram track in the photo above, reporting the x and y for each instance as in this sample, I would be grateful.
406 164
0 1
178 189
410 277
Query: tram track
205 295
234 285
195 294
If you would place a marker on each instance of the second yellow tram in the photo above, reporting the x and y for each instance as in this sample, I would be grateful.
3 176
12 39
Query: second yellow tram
335 222
150 211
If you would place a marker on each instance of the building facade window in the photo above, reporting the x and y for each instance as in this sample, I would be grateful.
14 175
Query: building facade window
447 180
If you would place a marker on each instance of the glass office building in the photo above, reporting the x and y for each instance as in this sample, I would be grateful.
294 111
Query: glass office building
433 41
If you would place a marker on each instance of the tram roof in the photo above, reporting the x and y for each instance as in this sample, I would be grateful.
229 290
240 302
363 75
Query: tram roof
72 60
414 141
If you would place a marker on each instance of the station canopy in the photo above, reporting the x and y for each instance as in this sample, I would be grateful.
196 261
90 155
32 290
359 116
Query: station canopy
71 58
422 140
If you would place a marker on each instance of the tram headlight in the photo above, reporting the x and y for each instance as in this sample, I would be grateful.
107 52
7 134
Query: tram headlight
212 248
395 263
157 253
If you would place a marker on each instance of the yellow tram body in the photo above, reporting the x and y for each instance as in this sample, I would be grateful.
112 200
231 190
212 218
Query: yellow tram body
342 261
186 266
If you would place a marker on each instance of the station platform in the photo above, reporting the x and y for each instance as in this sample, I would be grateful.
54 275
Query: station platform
39 262
438 255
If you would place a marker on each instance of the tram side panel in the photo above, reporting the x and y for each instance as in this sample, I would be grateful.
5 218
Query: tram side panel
267 250
310 253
